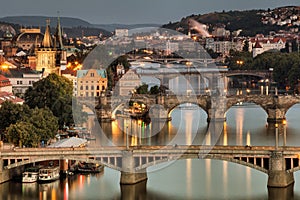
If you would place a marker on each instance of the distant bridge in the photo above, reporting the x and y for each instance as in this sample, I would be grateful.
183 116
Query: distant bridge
215 106
279 163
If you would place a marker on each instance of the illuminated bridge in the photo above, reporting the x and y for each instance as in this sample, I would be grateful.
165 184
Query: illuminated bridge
278 163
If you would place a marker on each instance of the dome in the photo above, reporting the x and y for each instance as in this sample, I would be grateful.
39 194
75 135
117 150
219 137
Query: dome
30 37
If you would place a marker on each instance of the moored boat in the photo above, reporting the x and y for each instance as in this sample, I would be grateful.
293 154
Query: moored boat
48 174
30 175
89 167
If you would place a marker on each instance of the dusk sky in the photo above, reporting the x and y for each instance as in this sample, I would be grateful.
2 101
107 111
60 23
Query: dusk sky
131 11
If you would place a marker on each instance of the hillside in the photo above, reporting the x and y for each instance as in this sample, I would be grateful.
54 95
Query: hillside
73 27
250 21
41 21
112 27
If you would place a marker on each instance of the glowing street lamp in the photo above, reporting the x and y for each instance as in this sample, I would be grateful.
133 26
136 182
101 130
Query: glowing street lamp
276 136
248 91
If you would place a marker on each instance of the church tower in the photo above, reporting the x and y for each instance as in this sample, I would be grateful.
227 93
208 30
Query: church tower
61 54
46 54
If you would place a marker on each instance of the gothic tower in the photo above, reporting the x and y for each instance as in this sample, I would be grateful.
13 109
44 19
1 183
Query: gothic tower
46 54
61 54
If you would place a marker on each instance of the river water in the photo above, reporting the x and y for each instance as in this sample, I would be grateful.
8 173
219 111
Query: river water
182 179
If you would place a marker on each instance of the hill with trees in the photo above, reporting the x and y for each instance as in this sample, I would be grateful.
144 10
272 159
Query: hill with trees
251 22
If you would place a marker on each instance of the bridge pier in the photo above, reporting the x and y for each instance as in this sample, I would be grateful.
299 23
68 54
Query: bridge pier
218 108
136 191
278 176
129 175
276 115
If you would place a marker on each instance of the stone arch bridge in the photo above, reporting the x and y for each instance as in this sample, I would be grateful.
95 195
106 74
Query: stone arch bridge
215 106
278 163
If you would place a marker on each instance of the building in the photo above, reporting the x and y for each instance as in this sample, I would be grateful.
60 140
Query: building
71 75
22 79
51 55
90 83
5 84
121 32
261 44
29 38
128 83
222 47
7 96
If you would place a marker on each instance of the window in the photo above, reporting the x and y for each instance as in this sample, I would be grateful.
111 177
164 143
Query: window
87 87
103 88
97 87
92 75
81 87
92 87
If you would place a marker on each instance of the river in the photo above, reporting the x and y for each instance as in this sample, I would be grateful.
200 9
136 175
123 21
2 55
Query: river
182 179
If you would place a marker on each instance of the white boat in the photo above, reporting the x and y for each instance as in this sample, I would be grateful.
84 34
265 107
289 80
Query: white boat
30 175
48 174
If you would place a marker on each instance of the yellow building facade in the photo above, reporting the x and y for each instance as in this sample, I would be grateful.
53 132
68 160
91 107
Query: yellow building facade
90 83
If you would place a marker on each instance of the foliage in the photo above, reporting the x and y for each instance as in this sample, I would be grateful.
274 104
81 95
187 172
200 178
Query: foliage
24 126
286 66
23 134
44 122
143 89
248 21
154 90
79 116
11 113
53 92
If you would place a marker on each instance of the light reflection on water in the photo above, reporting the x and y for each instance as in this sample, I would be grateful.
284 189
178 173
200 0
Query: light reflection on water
183 179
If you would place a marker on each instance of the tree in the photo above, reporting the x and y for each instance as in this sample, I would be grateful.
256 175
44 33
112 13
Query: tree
23 134
44 122
246 46
11 113
143 89
154 90
55 93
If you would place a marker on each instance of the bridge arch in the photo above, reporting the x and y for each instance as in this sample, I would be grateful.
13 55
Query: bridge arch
241 100
114 112
116 165
212 157
186 104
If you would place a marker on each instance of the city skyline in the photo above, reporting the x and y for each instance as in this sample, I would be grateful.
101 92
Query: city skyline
132 11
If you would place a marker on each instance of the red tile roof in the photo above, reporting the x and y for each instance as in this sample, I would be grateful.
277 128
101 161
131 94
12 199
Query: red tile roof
4 81
6 96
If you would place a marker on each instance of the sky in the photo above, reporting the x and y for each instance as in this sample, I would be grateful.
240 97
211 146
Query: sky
131 11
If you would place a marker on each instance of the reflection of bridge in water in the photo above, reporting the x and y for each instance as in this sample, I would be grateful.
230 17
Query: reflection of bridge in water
278 162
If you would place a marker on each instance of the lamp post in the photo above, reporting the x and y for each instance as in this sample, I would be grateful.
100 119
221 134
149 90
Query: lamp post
240 63
127 137
248 91
276 137
284 132
140 132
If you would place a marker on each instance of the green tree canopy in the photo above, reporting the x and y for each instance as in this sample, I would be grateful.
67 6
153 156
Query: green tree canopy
23 134
54 92
143 89
11 113
44 122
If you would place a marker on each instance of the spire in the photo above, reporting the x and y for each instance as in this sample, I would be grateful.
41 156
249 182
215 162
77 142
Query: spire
59 33
47 41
